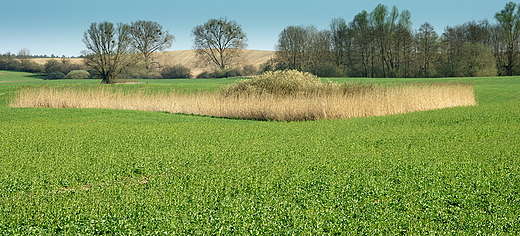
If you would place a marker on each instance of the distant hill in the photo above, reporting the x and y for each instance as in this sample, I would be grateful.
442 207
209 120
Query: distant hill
188 59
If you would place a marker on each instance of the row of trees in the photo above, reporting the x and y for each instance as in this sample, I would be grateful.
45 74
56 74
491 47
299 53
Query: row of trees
113 49
376 44
22 62
382 44
19 62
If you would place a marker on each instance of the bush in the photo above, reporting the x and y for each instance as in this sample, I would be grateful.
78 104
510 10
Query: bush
204 75
224 73
227 73
64 66
286 82
230 72
55 75
176 72
250 70
78 74
52 65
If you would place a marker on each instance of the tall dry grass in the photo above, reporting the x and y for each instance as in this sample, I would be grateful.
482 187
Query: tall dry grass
337 103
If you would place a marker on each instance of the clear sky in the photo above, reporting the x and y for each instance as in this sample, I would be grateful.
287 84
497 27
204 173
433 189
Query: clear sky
57 26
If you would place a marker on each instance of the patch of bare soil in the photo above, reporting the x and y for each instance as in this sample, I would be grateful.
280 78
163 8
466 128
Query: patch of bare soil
42 61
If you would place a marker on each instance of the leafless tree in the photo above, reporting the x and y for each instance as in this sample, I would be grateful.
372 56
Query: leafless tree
428 47
108 49
149 37
219 41
294 46
509 23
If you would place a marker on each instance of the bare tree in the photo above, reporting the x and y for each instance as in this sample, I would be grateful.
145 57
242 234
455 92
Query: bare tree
219 41
24 55
509 23
363 44
392 31
467 49
428 46
293 48
149 37
341 41
108 49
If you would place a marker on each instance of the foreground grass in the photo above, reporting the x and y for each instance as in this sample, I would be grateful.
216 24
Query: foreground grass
103 171
95 171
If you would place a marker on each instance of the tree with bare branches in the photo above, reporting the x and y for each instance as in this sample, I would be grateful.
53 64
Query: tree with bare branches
108 49
149 37
219 41
509 25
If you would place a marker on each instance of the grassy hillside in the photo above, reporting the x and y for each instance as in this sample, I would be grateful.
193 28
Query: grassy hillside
95 171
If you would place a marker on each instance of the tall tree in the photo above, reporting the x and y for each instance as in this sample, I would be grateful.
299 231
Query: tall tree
149 37
363 43
304 48
341 43
467 48
108 49
8 61
428 47
509 22
219 41
293 47
24 56
476 60
320 57
392 32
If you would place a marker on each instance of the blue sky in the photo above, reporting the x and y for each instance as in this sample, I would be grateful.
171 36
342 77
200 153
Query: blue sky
57 26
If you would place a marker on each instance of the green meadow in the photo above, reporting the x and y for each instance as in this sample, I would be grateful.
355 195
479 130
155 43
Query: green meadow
95 171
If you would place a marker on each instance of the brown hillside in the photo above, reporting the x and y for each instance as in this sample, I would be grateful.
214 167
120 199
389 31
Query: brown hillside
44 60
188 59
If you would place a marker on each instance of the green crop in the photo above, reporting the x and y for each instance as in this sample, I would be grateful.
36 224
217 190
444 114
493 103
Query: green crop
95 171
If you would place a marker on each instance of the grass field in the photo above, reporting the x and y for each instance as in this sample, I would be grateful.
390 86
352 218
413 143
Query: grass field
96 171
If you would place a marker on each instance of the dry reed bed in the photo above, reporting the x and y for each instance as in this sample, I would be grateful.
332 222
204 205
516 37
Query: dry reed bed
259 106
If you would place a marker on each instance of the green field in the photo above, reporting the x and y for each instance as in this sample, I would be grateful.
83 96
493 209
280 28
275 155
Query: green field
92 171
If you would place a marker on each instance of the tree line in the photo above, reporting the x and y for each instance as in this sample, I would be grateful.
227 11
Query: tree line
382 44
115 49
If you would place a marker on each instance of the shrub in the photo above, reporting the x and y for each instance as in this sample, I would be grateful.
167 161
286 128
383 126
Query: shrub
176 72
204 75
250 70
227 73
219 74
55 75
78 74
286 82
52 65
64 66
223 73
29 66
